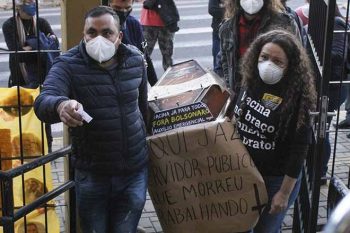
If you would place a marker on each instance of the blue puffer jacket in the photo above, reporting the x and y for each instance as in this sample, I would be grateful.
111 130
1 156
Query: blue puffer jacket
114 142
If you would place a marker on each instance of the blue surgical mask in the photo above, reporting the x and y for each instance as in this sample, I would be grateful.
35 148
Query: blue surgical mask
29 9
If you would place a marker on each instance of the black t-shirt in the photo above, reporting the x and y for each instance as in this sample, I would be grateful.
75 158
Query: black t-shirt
258 126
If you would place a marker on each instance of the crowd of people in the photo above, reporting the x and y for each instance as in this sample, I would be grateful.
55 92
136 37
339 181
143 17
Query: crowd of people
257 48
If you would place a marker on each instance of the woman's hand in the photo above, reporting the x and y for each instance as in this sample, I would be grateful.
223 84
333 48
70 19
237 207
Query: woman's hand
279 202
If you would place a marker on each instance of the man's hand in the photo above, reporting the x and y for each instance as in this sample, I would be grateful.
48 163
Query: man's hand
67 111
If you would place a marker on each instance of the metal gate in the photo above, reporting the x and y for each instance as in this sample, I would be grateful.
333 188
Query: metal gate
319 45
27 190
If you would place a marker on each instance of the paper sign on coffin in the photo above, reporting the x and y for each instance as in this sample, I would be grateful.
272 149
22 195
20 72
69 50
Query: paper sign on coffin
202 179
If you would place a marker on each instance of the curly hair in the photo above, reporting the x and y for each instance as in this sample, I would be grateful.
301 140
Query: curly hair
298 87
233 6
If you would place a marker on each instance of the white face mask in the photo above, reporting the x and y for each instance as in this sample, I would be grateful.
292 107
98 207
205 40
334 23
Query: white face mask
100 49
252 6
269 72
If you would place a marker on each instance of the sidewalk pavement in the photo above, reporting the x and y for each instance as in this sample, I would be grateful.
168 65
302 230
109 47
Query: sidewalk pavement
149 219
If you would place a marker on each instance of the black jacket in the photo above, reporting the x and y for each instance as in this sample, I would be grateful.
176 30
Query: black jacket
167 11
215 10
114 142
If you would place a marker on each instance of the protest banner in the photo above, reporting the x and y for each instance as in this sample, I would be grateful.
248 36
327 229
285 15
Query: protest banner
202 179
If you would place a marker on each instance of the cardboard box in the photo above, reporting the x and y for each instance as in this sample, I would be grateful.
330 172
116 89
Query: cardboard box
186 94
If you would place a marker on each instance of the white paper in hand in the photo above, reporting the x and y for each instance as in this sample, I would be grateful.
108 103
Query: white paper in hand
86 117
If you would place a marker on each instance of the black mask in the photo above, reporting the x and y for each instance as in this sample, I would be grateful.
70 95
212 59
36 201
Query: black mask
122 16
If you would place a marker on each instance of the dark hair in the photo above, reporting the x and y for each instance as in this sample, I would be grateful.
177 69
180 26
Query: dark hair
298 89
102 10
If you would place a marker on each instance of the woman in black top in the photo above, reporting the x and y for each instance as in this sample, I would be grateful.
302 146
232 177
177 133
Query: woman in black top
20 34
272 113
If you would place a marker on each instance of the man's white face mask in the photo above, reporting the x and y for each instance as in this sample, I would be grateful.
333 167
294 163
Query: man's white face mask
100 48
252 6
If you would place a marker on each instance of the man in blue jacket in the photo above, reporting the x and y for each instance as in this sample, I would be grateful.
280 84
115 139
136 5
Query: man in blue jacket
105 79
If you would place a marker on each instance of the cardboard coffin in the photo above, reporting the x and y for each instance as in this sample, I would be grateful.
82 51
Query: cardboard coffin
186 94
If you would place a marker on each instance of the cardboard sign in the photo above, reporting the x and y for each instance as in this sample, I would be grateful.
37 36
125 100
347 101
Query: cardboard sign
187 115
202 179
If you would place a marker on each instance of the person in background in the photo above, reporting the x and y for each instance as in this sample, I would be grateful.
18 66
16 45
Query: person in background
29 69
277 91
159 20
298 21
245 20
336 94
344 124
216 10
105 79
132 33
303 12
26 73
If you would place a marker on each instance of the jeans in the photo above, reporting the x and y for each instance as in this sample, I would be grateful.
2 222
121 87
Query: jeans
271 223
110 203
216 46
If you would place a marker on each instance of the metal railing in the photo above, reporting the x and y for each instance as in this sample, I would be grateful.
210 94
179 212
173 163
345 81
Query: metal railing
321 22
11 213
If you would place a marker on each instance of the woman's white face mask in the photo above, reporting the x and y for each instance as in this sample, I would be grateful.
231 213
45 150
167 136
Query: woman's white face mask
100 48
252 6
269 72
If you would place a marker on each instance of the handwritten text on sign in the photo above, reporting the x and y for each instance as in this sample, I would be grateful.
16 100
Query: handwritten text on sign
202 179
180 117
